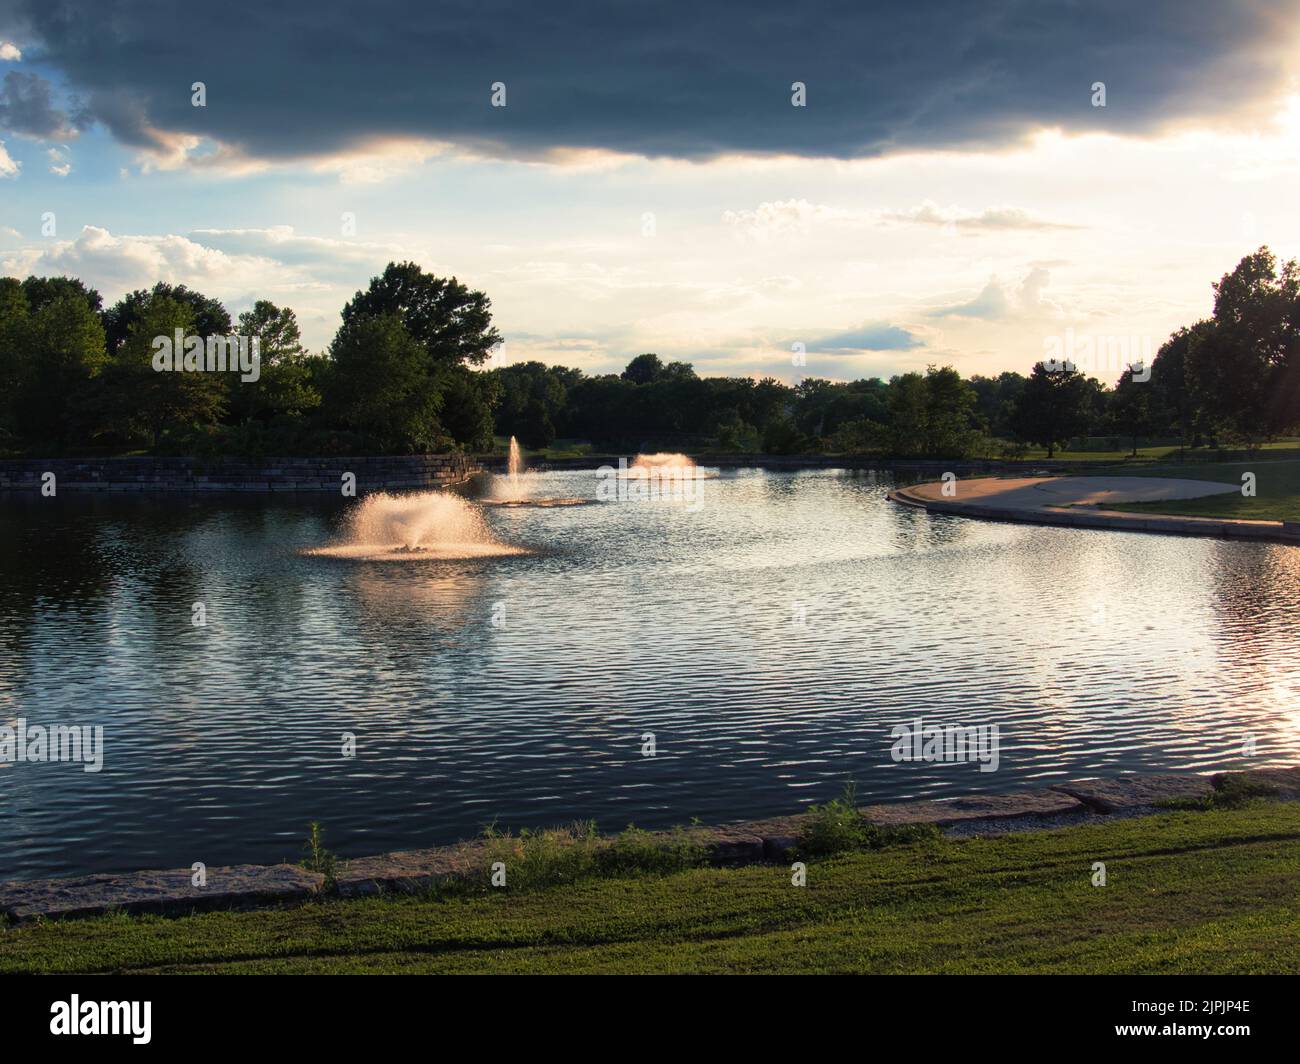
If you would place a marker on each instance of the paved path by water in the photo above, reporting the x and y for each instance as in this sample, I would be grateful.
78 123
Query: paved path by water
1081 502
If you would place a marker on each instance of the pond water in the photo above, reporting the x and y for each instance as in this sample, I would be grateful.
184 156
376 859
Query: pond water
769 637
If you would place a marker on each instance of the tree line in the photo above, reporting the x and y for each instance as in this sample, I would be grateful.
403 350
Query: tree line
406 373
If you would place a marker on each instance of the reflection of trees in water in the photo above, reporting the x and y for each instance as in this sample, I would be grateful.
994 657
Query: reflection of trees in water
89 579
54 575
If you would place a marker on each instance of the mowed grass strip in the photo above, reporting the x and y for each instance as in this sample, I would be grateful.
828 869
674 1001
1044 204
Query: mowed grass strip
1277 491
1187 892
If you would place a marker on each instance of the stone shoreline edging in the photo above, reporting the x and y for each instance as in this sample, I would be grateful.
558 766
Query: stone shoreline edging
1113 520
771 840
264 475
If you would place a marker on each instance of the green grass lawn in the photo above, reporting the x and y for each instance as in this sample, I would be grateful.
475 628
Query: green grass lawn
1277 490
1214 892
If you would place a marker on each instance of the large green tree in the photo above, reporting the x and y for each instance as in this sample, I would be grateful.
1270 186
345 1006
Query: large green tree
207 316
453 327
1130 407
276 330
161 405
1244 369
452 322
382 385
1054 405
51 350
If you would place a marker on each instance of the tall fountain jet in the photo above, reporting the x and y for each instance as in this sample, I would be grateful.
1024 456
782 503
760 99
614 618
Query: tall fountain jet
516 486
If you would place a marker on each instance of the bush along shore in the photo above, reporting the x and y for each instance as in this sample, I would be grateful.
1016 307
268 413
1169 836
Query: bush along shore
540 859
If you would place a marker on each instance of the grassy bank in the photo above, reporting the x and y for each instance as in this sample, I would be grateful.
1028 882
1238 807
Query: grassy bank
1188 891
1277 490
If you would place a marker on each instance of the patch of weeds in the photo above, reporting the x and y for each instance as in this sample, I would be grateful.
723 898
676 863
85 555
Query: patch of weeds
634 850
1230 792
536 859
838 827
539 859
316 858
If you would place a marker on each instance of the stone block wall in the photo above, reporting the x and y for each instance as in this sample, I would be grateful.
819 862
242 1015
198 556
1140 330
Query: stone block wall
236 474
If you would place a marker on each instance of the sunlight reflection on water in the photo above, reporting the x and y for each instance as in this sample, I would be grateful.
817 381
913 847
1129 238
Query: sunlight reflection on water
770 639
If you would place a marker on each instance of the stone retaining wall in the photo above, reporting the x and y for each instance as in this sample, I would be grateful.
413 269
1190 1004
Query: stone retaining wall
234 474
774 839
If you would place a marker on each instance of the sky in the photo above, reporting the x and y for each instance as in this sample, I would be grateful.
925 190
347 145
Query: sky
950 190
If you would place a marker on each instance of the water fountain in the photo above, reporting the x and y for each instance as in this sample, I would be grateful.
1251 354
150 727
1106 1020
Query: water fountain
667 466
424 525
516 489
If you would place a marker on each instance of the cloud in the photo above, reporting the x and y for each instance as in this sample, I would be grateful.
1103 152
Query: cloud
695 81
27 107
991 218
995 304
10 52
283 244
116 264
60 164
315 276
799 216
870 336
8 167
791 216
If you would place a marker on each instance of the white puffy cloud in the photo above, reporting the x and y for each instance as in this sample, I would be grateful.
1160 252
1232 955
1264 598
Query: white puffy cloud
117 264
995 303
60 163
315 276
8 167
10 52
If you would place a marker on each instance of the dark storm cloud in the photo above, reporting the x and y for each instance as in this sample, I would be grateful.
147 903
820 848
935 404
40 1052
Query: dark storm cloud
685 79
27 107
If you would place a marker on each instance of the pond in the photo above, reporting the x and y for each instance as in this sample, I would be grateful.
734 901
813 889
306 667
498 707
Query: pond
641 661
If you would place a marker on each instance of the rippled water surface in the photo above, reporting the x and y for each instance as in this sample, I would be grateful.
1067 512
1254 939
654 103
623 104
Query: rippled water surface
1094 652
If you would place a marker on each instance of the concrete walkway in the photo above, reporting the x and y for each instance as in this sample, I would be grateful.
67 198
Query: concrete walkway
1080 502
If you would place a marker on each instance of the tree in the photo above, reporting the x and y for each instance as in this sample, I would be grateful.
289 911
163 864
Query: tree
1052 407
160 403
276 330
1244 370
15 326
49 354
520 383
537 430
207 316
1130 407
467 401
1172 404
996 400
949 401
452 323
383 386
41 291
930 416
644 369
